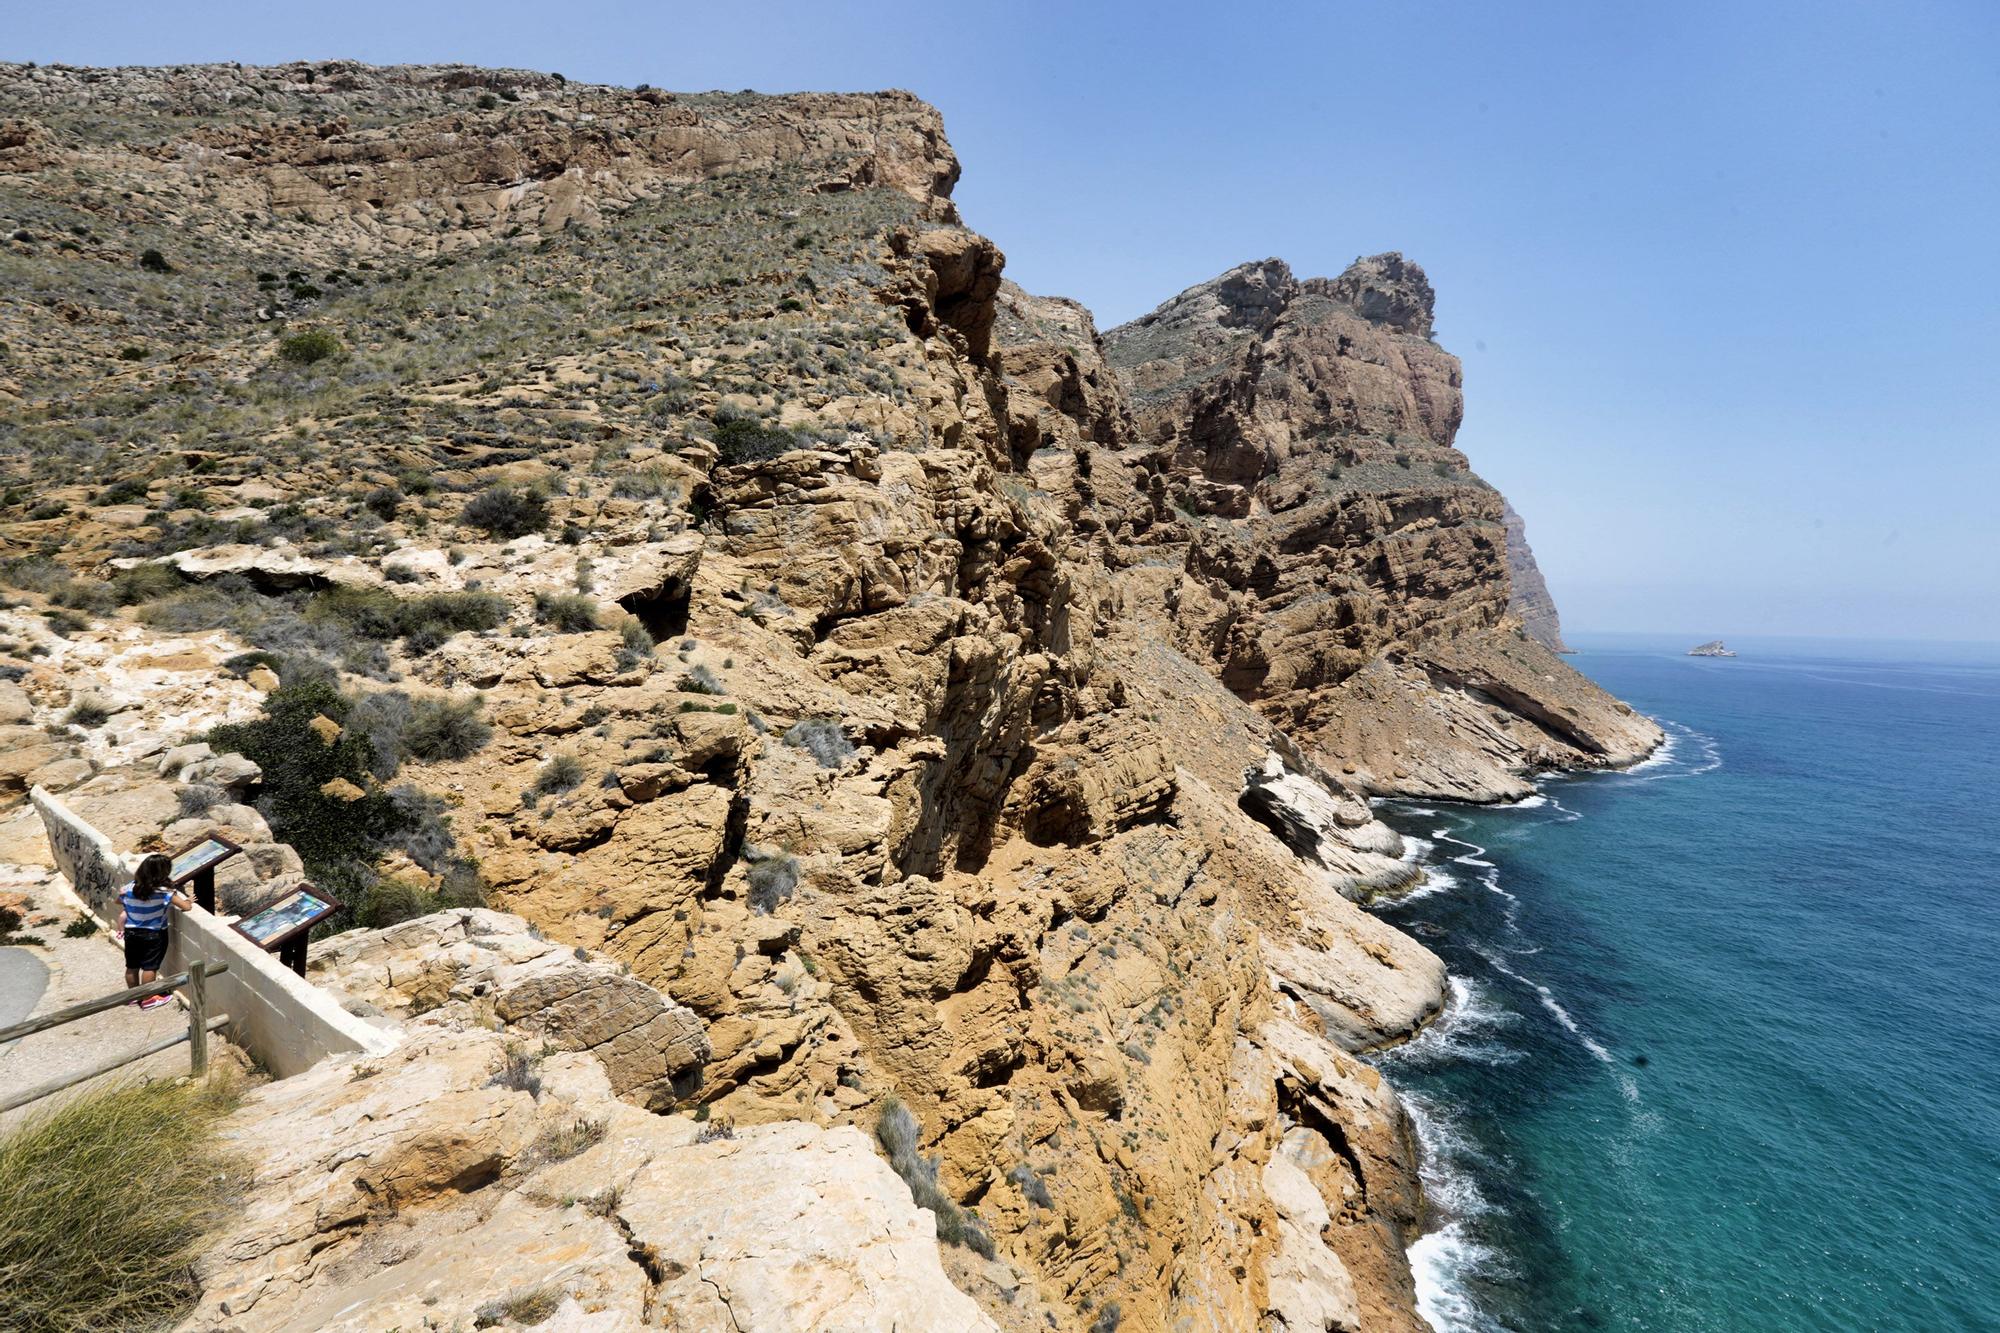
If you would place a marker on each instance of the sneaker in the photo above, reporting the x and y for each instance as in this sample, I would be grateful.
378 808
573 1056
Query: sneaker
153 1002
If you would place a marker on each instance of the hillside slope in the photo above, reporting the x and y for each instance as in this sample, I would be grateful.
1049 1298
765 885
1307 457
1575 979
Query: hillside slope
936 700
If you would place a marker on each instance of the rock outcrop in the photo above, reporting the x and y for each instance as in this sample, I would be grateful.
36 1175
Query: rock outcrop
1343 567
497 1168
1530 602
863 679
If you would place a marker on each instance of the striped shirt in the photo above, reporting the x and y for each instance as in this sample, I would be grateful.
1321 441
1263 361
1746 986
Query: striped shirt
146 913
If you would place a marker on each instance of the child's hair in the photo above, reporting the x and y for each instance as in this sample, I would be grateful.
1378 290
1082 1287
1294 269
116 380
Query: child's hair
152 875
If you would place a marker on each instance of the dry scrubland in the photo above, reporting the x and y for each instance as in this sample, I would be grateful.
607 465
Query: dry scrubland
917 748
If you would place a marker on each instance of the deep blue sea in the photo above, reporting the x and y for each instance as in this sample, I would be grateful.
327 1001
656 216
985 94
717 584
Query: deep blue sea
1723 1050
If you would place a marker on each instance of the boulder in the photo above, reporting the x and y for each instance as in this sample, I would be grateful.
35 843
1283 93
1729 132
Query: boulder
229 772
173 761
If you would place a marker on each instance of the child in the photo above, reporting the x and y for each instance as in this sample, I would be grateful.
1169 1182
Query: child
146 901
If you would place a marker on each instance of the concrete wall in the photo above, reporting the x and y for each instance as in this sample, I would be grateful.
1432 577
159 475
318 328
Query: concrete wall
284 1021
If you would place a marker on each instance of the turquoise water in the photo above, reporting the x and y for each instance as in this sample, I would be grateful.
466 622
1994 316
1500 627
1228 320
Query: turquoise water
1723 1051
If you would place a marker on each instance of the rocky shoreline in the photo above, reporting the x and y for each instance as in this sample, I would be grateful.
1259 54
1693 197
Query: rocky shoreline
657 517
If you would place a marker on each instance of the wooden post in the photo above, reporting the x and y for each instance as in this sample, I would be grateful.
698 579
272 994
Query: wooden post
292 953
204 888
197 994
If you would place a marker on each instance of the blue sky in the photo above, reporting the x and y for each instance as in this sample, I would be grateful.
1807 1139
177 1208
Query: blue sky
1724 275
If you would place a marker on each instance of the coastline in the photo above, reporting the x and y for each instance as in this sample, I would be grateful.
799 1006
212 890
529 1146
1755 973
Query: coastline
1439 1248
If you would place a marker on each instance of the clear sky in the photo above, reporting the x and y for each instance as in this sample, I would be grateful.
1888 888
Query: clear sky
1725 275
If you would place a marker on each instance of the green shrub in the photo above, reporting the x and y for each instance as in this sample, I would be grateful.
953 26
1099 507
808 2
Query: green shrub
310 347
131 490
566 612
635 645
506 512
383 502
562 773
80 929
104 1203
133 354
447 728
88 713
145 583
335 838
422 622
741 439
154 262
391 901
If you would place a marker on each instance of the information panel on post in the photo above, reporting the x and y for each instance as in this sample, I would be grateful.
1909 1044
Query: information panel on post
285 925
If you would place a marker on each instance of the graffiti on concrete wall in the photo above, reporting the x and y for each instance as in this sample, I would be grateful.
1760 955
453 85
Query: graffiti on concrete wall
84 856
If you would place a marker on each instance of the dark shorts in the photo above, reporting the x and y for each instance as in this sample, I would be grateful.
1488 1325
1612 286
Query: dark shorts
145 950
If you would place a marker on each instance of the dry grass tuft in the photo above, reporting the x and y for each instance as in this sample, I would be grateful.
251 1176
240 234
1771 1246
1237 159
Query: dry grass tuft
104 1201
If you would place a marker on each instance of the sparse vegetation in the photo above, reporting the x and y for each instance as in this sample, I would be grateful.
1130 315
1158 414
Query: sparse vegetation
520 1072
88 713
537 1305
310 347
560 774
507 512
823 739
899 1133
447 728
566 612
773 877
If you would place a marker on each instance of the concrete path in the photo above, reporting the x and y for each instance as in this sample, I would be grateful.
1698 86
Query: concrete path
78 969
23 978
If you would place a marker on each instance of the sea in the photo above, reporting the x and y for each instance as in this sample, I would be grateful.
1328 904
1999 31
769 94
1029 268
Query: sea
1722 1049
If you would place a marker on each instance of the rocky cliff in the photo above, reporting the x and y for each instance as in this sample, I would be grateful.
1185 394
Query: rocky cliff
656 516
1530 602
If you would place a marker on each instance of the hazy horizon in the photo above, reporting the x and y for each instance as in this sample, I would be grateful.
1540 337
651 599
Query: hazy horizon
1721 280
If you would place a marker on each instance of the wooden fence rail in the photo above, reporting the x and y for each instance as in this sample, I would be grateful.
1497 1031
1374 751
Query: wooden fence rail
200 1024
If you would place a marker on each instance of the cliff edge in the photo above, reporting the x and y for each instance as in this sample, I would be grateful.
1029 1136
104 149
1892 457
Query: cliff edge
654 515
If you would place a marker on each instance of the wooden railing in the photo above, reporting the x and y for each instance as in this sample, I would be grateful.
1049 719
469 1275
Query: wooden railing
200 1024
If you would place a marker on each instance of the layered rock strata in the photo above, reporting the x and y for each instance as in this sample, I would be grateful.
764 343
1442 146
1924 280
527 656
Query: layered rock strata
897 689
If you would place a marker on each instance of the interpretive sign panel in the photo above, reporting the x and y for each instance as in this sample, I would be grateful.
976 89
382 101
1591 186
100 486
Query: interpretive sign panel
205 854
290 916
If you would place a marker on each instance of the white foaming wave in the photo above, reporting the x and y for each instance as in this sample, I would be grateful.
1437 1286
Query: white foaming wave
1435 880
1709 759
1663 754
1534 802
1472 854
1444 1259
1441 1261
1415 848
1555 1007
1419 810
1564 813
1467 1029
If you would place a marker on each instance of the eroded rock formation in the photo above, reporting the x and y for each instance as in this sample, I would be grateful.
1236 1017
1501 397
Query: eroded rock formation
896 688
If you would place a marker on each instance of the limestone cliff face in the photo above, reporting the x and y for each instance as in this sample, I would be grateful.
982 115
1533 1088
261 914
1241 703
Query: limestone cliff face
1344 569
1530 602
931 698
